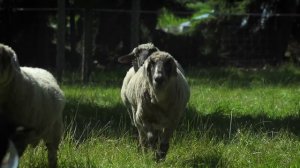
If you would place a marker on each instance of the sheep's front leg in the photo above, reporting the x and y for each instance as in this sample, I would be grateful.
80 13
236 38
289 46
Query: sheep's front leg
164 144
138 115
152 136
142 140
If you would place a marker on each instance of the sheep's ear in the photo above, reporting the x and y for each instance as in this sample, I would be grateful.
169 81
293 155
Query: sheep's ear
14 61
126 58
11 58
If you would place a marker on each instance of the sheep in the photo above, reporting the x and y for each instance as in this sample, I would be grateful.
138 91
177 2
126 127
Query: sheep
137 57
32 98
156 96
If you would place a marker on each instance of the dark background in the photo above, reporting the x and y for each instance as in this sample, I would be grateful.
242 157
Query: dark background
268 33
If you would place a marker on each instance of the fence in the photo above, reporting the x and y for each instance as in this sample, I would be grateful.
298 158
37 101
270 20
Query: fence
219 39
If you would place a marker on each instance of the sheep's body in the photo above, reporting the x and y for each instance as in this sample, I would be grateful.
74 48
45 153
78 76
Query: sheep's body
130 73
35 92
156 105
32 98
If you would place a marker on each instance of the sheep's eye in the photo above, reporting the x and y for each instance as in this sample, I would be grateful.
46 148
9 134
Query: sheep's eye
152 65
152 51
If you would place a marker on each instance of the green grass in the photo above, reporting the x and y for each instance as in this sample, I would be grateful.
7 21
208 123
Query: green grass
235 118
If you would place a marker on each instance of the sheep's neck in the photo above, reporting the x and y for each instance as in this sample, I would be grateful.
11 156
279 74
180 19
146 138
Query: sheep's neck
5 90
16 90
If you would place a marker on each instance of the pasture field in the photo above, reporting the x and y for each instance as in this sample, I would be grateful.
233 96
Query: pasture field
235 118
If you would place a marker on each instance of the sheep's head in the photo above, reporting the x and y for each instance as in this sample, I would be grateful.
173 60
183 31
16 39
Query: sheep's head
138 55
160 68
8 63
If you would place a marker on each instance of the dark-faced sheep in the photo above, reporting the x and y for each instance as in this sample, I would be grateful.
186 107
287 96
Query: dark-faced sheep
156 96
32 98
138 55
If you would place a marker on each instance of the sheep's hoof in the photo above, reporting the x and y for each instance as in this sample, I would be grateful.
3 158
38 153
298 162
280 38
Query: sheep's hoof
160 157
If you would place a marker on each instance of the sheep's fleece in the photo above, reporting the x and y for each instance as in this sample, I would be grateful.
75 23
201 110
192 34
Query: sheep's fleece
32 98
156 109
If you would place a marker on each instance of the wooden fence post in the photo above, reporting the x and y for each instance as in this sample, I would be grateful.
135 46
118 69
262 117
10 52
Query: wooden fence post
60 45
135 23
88 45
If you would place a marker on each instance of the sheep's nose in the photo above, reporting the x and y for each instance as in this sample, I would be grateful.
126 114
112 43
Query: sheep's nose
158 79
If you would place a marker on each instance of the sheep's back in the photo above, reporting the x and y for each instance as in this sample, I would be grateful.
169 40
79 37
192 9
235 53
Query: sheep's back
38 101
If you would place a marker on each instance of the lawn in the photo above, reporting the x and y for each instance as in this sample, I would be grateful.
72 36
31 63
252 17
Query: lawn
235 118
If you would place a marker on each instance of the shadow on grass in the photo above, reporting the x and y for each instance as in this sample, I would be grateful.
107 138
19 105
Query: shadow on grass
84 119
225 126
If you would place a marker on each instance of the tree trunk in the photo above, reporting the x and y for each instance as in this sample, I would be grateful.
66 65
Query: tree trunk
88 45
135 23
60 56
72 32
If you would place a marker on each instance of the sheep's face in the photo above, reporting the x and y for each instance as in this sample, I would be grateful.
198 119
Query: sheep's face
161 68
138 55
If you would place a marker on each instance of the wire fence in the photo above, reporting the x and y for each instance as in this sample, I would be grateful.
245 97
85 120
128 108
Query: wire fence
229 38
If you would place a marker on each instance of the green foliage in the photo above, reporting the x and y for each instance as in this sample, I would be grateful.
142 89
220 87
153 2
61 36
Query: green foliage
235 118
167 18
219 7
200 8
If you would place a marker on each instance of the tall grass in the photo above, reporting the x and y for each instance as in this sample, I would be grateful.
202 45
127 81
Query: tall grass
235 118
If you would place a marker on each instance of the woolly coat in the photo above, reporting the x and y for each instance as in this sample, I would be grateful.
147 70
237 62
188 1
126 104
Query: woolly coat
31 97
35 101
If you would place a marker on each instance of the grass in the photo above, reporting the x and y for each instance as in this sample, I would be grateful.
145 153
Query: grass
235 118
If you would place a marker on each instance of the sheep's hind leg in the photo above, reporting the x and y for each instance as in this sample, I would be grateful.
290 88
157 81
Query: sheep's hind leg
23 138
52 154
52 144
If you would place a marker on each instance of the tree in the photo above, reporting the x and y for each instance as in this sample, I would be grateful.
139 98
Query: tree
60 56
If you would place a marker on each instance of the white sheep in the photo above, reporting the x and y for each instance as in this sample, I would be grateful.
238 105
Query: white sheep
156 96
32 98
